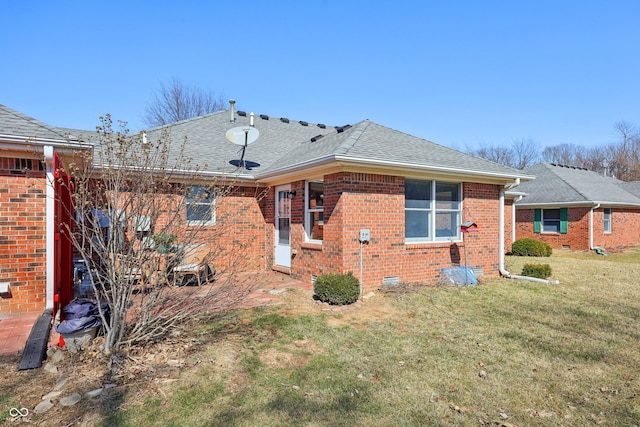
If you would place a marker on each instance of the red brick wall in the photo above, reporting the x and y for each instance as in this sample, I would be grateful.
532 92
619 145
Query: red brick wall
355 201
237 239
625 232
22 238
239 234
576 238
625 229
508 224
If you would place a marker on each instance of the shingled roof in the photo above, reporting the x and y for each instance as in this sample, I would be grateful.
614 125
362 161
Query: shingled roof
291 149
561 185
286 146
17 125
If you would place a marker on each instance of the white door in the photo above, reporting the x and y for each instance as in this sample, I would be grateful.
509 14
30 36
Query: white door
283 227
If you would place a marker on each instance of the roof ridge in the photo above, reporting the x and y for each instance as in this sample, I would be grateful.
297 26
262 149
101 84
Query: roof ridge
353 137
550 167
554 165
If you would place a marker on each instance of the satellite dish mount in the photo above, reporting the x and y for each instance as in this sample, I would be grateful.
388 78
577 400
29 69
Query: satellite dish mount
242 135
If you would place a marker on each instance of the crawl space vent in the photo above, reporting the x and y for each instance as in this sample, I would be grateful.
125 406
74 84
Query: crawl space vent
390 281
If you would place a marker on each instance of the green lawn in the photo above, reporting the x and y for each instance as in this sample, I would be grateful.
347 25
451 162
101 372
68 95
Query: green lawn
504 353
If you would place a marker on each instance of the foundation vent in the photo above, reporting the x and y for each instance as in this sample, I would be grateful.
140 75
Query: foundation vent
313 279
390 281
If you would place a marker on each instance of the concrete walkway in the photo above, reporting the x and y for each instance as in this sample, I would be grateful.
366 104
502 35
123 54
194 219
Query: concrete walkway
265 287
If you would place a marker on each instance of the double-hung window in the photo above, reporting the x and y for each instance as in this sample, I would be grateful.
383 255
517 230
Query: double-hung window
607 220
201 205
433 211
314 211
551 221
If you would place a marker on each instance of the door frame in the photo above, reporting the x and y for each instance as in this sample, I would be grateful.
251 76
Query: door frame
282 251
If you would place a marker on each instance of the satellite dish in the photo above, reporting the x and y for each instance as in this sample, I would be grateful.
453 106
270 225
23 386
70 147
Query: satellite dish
242 135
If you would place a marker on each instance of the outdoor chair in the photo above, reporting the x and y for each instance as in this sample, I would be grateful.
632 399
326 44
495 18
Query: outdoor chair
194 264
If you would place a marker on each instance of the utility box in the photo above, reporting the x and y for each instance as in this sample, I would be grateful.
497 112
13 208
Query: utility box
365 235
5 290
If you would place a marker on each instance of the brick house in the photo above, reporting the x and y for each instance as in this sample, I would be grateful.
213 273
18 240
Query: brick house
29 152
574 208
322 187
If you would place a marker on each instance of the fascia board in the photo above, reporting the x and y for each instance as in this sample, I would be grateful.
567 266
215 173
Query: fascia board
184 175
33 145
551 205
389 168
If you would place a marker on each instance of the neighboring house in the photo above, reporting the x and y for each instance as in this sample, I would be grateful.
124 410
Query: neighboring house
324 187
574 208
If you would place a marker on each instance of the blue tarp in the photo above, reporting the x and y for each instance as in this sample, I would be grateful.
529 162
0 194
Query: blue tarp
458 276
81 313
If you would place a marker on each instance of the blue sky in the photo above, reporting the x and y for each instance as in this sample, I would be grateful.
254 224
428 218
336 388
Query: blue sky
460 73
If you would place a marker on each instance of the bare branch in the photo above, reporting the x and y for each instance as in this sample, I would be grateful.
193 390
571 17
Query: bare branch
176 101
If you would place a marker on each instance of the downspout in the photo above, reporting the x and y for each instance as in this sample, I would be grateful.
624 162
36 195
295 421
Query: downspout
513 219
501 268
593 208
50 225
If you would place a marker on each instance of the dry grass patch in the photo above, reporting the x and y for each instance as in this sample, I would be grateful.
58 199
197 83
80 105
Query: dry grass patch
505 353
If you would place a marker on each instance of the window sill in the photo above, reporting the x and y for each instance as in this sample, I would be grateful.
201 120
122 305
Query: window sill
311 245
430 245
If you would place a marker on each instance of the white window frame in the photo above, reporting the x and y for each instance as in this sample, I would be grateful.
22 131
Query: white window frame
550 221
210 201
607 220
309 211
432 210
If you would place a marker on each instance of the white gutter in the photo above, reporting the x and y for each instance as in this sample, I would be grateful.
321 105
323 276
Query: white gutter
15 142
50 225
501 268
356 162
593 208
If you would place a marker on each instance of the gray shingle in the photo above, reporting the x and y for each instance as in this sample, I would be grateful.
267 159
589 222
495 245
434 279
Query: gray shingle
558 184
17 124
284 145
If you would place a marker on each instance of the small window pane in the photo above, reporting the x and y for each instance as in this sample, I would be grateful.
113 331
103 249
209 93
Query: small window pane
416 224
447 195
417 190
551 214
198 212
316 225
200 204
316 195
607 220
447 225
283 231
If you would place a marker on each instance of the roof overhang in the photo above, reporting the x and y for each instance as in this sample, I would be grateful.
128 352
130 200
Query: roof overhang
184 175
331 164
579 204
22 144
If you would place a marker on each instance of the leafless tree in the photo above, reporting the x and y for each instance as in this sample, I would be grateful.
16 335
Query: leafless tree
526 152
563 154
131 196
624 157
177 101
521 153
498 154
